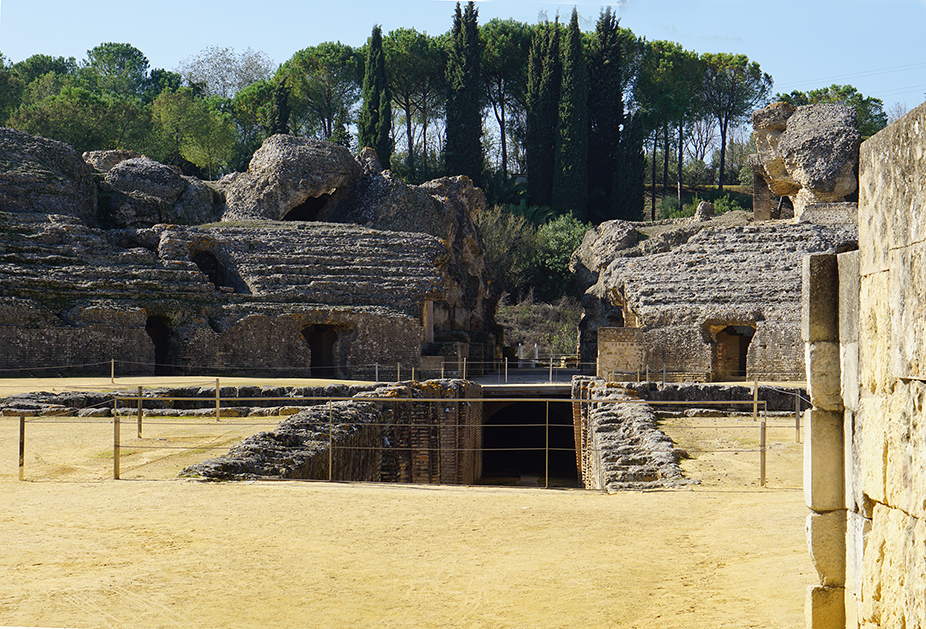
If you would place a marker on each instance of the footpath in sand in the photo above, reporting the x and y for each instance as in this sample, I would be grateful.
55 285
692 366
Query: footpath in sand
81 550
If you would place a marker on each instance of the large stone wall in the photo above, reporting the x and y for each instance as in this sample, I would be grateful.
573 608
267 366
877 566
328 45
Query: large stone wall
127 263
865 456
684 288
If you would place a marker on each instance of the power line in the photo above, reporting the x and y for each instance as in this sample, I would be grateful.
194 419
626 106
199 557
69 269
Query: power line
866 73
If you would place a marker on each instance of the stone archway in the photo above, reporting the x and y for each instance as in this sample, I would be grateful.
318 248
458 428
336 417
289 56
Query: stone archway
729 351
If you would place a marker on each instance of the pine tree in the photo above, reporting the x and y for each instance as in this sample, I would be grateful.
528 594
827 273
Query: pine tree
375 125
605 114
463 152
544 77
570 177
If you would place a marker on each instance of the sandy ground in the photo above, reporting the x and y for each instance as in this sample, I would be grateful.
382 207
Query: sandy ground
82 550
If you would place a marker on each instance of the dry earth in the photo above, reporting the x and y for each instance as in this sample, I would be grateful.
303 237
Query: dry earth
82 550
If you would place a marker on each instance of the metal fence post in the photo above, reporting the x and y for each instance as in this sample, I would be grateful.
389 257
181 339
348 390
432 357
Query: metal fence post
755 401
762 453
218 401
797 417
330 442
116 439
546 448
377 372
112 371
139 411
506 370
22 447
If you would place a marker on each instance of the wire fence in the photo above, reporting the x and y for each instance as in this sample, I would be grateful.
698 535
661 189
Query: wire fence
216 430
557 368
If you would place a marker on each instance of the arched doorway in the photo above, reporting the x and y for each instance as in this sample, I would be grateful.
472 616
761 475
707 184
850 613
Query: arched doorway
211 268
730 349
321 340
159 331
514 442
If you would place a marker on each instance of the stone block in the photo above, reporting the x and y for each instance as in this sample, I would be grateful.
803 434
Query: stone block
848 296
850 459
875 333
826 540
891 207
871 450
821 360
857 530
848 373
819 298
824 484
825 608
907 302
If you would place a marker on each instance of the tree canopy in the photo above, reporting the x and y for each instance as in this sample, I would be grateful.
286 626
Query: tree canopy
869 111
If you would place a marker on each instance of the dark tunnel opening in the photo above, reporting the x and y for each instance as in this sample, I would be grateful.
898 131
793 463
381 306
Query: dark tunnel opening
159 332
514 445
308 210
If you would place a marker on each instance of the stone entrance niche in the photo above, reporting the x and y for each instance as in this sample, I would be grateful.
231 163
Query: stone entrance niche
729 347
321 340
211 268
514 438
309 209
158 329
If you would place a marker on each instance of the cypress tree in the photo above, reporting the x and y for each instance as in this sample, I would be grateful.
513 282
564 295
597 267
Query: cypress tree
605 115
544 77
570 177
629 174
375 125
279 112
463 152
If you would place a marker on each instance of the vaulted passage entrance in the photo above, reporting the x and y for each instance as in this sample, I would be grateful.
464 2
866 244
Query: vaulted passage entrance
308 210
730 348
159 331
515 444
321 340
211 268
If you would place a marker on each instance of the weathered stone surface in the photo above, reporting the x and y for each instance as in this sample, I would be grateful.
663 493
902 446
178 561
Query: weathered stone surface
825 608
892 208
824 375
704 212
626 449
809 153
820 298
599 247
824 487
820 150
104 161
747 276
141 192
444 208
289 174
44 176
372 441
826 540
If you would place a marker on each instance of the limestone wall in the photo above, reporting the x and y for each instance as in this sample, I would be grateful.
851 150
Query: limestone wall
865 456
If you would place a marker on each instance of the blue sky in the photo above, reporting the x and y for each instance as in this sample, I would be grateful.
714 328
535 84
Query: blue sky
876 45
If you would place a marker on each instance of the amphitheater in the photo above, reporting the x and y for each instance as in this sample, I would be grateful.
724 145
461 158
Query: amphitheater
322 265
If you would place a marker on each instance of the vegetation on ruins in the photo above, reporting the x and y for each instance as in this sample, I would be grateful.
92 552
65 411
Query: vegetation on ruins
522 109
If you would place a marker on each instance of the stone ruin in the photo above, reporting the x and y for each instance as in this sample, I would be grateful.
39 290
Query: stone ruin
865 445
312 263
718 298
808 156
